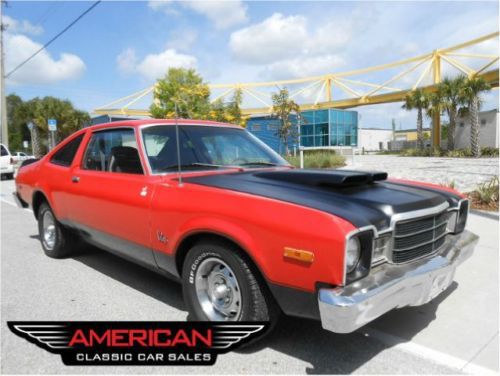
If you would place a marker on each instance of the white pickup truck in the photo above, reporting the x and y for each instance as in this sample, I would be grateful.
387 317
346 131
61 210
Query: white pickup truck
7 163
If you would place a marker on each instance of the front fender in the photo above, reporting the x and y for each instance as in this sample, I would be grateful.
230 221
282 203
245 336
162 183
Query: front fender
223 228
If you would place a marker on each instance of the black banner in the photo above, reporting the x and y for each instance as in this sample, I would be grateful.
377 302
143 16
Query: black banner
119 343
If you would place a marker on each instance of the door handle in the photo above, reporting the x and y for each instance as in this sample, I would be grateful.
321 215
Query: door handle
75 179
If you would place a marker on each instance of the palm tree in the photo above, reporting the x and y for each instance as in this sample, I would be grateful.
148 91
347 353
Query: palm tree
450 99
435 107
471 91
420 101
36 142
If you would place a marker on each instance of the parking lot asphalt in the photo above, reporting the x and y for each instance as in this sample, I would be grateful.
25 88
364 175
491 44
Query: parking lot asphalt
456 333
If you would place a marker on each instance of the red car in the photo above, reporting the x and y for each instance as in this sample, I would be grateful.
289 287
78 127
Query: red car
247 235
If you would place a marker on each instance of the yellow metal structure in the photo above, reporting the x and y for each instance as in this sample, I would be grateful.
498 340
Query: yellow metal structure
352 88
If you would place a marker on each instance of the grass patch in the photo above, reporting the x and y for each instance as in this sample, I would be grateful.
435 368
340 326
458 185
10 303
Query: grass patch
318 159
485 196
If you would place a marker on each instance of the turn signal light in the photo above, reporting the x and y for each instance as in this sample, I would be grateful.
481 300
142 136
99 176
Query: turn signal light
299 255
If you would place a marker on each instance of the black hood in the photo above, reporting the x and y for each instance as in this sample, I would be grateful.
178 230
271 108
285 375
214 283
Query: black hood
362 198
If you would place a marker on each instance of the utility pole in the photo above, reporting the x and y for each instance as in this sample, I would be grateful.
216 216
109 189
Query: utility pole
3 104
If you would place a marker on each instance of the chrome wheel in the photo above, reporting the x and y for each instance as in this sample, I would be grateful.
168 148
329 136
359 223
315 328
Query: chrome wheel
49 230
218 291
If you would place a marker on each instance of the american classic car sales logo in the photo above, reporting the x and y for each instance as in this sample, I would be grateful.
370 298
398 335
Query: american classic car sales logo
137 343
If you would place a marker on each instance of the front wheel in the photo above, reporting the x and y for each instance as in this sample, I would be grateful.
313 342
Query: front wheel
57 241
220 285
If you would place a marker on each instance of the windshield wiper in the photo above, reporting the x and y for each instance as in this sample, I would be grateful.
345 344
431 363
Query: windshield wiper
257 164
193 165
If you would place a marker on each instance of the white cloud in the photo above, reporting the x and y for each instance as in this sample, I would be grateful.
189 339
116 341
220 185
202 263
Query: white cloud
154 66
23 27
288 47
127 61
223 14
304 66
43 68
277 37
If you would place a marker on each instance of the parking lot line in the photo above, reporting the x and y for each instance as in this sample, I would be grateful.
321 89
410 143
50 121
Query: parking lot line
428 353
14 204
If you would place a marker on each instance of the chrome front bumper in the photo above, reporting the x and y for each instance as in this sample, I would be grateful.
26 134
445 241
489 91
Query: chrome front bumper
389 286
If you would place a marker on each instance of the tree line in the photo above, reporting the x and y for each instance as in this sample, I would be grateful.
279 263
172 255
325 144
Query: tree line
38 111
456 97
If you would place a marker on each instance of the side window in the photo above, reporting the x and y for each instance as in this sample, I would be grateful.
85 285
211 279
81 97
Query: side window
114 150
65 155
4 151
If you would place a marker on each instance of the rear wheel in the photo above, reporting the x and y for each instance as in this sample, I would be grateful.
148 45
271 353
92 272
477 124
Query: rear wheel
57 241
220 285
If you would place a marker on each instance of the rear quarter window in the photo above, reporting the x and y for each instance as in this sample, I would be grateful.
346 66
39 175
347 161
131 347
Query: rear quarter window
65 155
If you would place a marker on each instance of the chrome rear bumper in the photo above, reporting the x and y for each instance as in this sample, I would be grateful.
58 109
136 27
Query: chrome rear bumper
389 286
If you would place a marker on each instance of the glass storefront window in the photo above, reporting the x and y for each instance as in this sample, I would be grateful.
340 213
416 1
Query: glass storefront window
329 127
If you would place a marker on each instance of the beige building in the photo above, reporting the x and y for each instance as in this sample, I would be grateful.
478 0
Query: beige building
488 134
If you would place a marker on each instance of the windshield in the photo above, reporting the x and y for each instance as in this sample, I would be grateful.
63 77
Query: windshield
206 147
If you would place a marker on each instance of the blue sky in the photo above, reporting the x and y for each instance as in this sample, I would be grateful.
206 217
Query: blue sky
121 47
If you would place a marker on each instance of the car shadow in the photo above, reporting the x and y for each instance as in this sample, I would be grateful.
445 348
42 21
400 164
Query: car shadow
302 339
135 276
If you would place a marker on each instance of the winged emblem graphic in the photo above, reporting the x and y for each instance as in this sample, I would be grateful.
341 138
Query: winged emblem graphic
227 335
48 336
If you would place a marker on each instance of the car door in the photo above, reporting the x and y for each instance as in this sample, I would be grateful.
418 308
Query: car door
57 177
110 194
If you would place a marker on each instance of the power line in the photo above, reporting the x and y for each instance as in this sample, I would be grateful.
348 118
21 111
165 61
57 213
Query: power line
54 38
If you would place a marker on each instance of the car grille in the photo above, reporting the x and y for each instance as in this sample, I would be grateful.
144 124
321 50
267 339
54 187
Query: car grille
418 237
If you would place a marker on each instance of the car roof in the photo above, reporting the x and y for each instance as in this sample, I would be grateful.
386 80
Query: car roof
181 122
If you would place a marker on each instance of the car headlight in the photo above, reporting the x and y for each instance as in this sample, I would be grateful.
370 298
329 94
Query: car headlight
358 255
353 253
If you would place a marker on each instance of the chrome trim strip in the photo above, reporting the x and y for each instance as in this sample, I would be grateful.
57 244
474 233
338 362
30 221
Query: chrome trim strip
418 213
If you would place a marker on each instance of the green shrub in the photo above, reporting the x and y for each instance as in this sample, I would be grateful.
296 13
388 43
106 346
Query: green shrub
487 193
489 152
416 153
318 159
388 152
459 153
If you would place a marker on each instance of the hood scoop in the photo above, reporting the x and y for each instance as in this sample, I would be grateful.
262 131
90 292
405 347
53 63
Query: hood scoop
332 178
